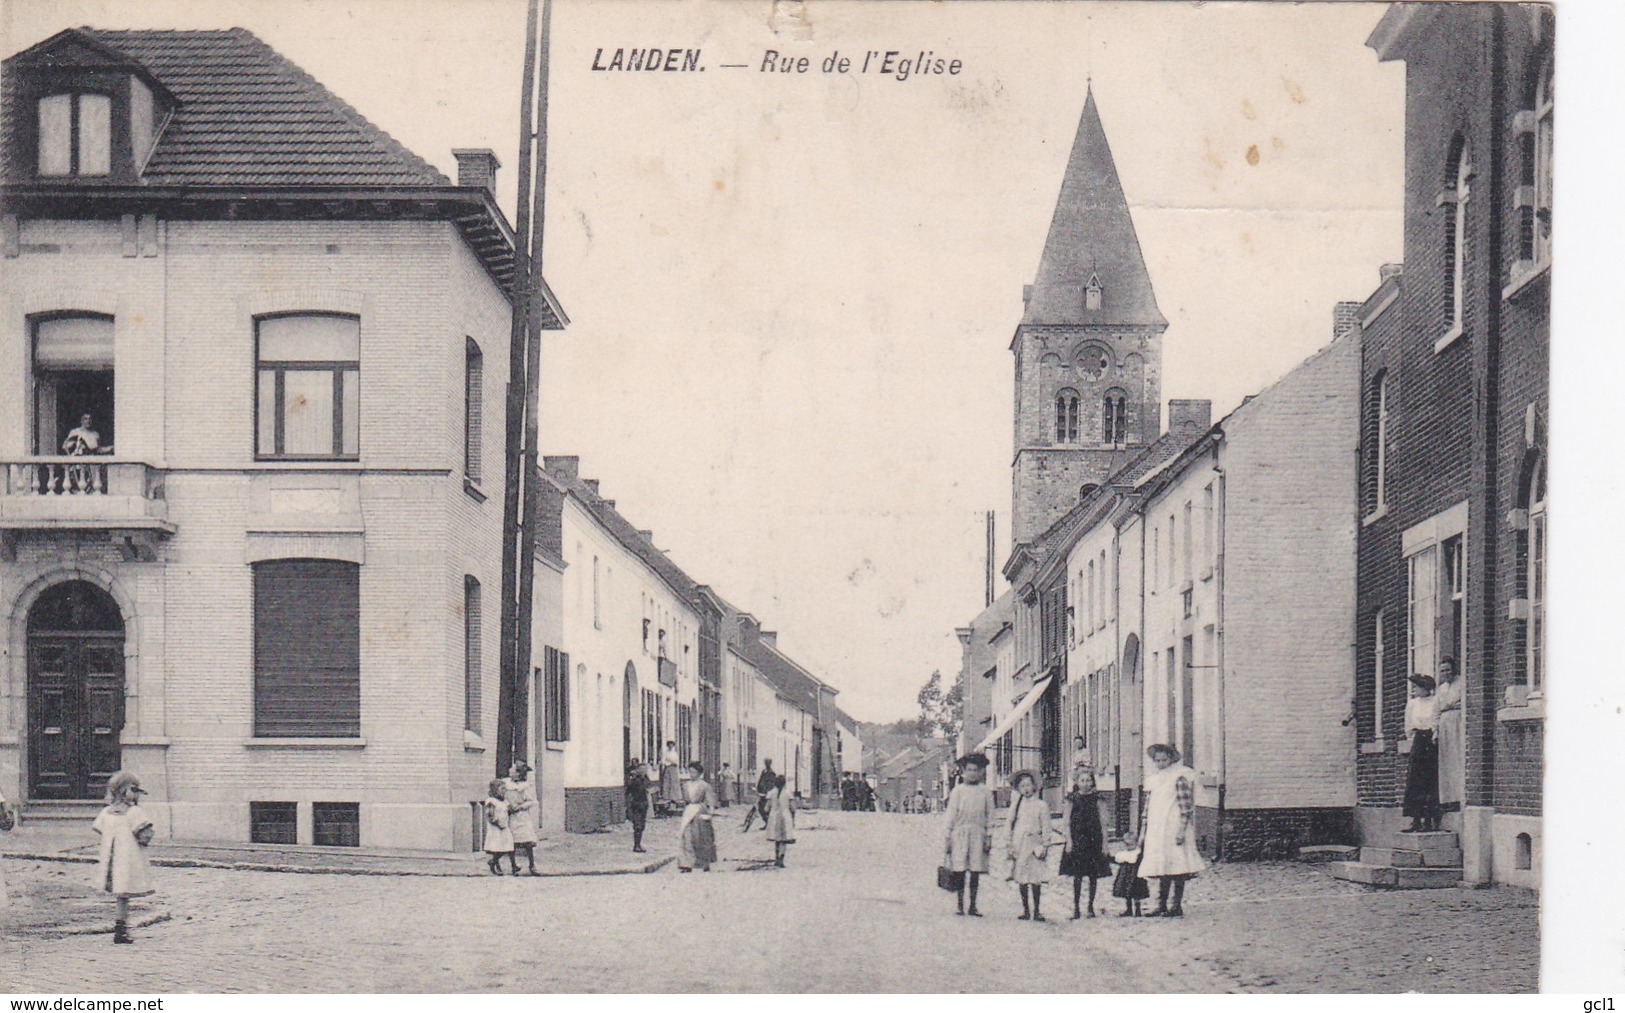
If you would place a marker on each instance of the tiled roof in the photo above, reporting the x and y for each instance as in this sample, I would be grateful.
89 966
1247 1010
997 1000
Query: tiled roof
248 116
785 676
245 116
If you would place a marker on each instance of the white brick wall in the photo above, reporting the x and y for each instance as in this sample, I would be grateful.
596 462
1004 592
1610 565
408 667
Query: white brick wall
184 360
599 654
1290 501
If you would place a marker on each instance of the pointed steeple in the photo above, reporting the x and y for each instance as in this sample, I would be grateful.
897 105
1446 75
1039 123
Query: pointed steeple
1092 234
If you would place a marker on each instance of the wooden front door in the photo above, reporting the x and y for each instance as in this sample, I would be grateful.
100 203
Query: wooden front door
75 693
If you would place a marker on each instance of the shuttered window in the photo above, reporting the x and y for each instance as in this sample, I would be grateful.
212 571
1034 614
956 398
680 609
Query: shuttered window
473 411
556 708
307 648
473 670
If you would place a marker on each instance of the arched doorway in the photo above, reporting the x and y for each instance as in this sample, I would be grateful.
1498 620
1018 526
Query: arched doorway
75 691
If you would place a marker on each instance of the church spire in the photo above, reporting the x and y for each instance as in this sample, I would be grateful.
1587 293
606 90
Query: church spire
1091 233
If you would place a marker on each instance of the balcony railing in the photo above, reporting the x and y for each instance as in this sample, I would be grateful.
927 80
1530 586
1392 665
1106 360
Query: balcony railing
83 492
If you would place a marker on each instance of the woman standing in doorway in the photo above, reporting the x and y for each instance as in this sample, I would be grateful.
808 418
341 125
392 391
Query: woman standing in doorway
1448 733
1422 780
1169 852
1027 846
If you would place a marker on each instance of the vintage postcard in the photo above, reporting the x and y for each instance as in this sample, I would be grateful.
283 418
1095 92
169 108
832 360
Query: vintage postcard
618 496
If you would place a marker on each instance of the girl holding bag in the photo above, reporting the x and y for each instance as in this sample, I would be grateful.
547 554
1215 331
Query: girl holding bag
968 839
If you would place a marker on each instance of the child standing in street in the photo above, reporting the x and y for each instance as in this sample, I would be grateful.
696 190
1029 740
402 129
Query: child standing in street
498 836
126 831
1128 885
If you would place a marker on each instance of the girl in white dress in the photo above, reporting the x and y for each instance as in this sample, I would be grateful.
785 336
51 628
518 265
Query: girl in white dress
498 832
125 831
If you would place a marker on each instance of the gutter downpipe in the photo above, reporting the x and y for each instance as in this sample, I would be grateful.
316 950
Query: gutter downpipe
1218 578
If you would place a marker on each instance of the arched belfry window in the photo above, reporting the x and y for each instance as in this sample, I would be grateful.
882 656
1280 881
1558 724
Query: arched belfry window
1066 416
1453 202
1114 417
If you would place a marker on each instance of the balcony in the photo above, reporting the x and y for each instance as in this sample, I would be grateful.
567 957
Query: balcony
84 493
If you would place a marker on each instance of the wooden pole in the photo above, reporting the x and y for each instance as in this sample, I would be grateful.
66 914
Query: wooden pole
513 532
533 386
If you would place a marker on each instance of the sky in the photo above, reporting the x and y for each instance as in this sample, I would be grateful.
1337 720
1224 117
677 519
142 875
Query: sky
792 296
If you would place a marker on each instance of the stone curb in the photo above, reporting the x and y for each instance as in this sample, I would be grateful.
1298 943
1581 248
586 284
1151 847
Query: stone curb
317 870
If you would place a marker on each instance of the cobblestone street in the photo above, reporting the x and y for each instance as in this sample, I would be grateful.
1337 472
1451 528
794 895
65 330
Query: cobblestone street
856 910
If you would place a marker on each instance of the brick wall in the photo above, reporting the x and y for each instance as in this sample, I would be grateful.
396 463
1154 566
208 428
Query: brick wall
589 809
1458 422
1251 835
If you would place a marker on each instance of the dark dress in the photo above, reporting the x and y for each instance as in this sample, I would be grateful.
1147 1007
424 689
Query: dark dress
1422 783
1085 853
1128 885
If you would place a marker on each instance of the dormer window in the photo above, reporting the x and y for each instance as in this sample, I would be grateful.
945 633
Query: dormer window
1091 293
75 134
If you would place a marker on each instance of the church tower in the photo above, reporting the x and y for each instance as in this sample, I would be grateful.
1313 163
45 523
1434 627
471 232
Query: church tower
1089 347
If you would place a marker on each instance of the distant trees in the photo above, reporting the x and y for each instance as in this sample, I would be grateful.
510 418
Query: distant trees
940 712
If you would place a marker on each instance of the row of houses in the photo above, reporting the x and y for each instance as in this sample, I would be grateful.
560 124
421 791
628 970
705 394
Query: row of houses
253 359
1257 590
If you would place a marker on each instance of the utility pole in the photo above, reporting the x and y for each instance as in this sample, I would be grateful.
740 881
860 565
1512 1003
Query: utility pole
516 608
533 388
987 590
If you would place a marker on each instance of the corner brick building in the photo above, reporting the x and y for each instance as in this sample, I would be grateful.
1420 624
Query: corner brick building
1455 401
252 363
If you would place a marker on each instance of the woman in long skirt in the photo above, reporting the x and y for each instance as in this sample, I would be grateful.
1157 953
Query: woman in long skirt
969 836
1448 733
1027 845
697 838
1085 854
781 821
1169 842
1422 781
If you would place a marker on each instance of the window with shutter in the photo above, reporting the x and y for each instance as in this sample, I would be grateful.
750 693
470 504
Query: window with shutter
473 412
473 670
307 648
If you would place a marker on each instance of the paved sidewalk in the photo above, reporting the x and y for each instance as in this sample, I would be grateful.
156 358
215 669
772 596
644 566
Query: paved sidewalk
598 854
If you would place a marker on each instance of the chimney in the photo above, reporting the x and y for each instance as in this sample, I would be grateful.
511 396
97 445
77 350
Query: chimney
477 167
564 468
1389 272
1189 415
591 484
1345 318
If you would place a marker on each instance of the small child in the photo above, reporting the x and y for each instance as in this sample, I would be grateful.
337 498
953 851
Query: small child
498 837
1127 884
126 831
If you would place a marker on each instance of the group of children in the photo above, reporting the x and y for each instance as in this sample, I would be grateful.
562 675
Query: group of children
968 844
510 820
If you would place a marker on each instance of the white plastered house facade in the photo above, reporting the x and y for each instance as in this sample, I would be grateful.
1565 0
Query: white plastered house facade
258 585
620 618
